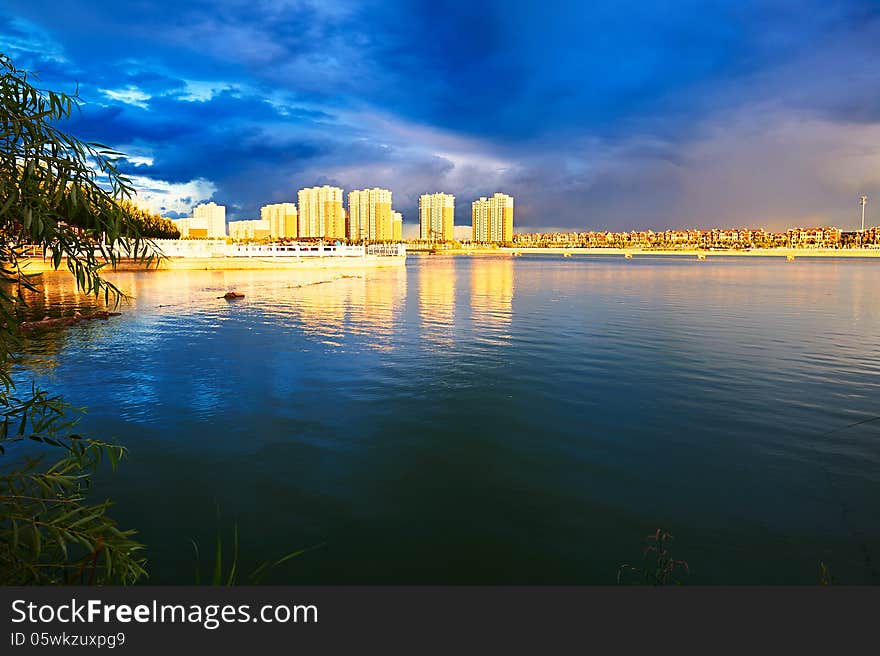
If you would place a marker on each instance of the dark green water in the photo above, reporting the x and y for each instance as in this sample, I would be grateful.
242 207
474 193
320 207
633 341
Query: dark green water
492 420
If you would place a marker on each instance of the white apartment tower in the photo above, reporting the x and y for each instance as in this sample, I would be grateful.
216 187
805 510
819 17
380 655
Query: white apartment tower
493 218
320 213
248 230
436 217
396 226
370 215
480 219
282 218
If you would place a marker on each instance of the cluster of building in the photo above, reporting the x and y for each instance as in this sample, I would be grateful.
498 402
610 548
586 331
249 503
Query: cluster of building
319 214
370 217
491 218
823 237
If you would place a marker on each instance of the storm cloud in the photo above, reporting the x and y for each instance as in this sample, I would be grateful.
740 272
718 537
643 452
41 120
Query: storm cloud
620 116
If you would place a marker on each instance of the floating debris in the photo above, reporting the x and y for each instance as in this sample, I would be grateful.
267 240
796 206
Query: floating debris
321 282
46 322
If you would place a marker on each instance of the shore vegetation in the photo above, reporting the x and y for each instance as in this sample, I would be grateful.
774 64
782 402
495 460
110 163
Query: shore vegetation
68 197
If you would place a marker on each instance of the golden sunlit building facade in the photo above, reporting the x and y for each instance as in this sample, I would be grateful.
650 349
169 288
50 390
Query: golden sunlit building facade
492 219
282 218
436 217
182 226
320 213
370 215
211 217
249 230
396 226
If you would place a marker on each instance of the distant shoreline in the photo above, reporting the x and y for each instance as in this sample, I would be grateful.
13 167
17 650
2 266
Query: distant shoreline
637 253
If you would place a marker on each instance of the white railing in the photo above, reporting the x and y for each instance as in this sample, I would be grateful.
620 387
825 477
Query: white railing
31 250
391 250
192 247
294 250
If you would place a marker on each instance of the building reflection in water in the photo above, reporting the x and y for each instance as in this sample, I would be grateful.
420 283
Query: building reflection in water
492 294
330 307
377 303
437 300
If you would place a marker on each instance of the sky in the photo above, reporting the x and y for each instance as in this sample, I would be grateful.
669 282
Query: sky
593 115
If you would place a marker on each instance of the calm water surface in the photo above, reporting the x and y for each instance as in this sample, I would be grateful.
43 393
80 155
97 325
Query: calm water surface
490 419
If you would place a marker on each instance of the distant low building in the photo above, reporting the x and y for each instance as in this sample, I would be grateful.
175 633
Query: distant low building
194 228
713 238
282 218
814 236
249 230
210 217
182 226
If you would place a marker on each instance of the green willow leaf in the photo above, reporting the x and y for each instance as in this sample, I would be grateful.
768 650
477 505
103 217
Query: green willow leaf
54 202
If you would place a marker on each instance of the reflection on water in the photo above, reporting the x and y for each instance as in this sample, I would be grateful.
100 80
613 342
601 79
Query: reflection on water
490 419
376 308
437 301
492 294
330 308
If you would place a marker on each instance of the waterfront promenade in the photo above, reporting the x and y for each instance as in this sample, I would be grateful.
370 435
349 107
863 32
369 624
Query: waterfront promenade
217 255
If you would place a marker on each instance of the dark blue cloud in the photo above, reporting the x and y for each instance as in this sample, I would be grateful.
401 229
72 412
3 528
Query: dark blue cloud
624 114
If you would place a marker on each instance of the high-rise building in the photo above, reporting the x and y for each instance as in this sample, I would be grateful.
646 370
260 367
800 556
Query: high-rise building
436 217
249 229
480 219
369 215
492 218
211 217
282 218
396 226
320 213
354 231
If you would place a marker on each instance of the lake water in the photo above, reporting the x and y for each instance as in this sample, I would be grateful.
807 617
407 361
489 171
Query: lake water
490 419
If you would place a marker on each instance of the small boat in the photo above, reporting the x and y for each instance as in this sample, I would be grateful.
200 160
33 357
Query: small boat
701 256
566 255
230 295
789 258
628 256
